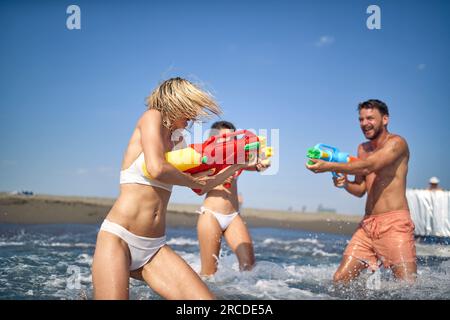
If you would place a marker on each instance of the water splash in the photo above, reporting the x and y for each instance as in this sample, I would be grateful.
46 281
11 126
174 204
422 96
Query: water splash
35 261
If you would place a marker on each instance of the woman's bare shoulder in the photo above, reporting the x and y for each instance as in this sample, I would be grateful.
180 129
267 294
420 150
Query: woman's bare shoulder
150 117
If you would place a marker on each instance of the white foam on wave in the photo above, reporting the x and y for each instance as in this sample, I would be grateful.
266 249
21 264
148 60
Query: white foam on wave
298 249
44 275
280 290
46 243
317 274
181 241
436 250
69 245
301 247
84 258
319 252
267 280
11 243
290 242
56 282
35 258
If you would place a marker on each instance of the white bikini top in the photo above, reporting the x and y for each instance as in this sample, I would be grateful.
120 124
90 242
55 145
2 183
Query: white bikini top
137 173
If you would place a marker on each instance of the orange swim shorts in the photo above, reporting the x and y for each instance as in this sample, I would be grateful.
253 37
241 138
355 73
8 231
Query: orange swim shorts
388 237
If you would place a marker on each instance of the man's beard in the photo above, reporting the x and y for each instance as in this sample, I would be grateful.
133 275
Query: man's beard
377 132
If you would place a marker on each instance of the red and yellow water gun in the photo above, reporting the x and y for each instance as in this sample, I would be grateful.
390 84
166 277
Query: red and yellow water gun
219 152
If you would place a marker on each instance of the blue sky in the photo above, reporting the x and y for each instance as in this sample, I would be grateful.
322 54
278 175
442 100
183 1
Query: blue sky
71 98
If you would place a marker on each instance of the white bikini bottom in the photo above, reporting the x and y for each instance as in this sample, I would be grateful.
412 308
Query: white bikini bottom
142 249
223 219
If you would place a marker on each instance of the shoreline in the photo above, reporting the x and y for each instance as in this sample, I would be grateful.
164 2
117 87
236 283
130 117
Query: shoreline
51 209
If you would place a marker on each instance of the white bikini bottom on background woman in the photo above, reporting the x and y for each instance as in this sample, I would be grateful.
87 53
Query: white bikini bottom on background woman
224 220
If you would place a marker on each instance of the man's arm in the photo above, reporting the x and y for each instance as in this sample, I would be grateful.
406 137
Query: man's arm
388 154
356 187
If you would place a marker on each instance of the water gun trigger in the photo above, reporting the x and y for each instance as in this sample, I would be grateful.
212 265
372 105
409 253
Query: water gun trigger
337 175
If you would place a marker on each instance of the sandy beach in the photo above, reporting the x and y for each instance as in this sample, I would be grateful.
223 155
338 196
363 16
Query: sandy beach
41 209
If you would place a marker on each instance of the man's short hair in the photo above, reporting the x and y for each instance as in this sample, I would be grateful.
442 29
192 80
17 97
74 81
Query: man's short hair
223 125
374 104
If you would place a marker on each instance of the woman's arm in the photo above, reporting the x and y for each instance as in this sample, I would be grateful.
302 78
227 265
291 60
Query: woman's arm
152 137
152 140
220 178
258 166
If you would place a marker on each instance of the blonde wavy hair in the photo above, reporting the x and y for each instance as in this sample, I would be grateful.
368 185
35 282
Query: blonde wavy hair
177 98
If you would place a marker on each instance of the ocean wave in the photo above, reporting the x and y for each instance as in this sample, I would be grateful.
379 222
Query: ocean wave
181 241
267 280
313 241
45 243
318 252
11 243
318 273
286 268
280 290
64 245
56 282
84 258
436 250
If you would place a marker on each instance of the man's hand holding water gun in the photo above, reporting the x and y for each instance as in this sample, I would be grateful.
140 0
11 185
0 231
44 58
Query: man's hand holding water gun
323 158
319 162
341 182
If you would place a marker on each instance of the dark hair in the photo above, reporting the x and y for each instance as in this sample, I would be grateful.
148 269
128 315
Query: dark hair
223 125
374 103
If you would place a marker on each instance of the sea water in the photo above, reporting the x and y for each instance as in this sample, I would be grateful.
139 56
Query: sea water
54 262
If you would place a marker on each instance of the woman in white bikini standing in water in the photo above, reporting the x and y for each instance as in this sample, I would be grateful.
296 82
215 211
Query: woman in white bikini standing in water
131 240
219 216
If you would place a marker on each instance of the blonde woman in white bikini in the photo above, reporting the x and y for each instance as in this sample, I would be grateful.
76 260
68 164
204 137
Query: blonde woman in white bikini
131 240
219 216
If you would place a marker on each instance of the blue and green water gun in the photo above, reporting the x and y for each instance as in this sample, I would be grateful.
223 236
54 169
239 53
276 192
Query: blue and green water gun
329 153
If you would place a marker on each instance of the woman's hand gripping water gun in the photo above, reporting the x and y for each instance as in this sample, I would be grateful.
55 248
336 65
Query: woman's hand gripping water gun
262 163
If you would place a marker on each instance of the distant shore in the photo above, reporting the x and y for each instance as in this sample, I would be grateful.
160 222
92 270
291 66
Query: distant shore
43 209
